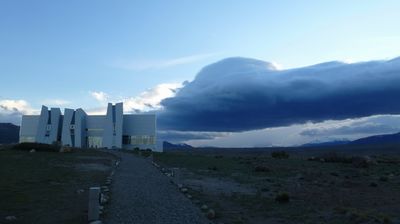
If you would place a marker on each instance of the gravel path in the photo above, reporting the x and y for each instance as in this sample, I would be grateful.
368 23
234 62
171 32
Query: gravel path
142 194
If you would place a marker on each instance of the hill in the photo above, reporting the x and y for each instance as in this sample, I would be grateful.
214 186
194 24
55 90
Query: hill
9 133
378 139
168 146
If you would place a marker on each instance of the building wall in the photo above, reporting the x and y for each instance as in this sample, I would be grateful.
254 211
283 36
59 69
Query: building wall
139 131
66 137
29 125
112 135
77 129
80 128
94 130
55 126
42 125
49 126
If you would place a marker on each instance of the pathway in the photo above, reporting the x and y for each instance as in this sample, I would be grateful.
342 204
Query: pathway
142 194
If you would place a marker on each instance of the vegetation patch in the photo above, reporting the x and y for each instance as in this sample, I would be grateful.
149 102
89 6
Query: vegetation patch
280 155
47 187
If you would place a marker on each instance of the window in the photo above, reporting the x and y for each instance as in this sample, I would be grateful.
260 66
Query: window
26 139
126 139
94 142
138 140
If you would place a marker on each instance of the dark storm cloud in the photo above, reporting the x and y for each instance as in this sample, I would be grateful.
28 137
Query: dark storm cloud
239 94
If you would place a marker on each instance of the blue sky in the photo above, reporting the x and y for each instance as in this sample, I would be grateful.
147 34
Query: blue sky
68 52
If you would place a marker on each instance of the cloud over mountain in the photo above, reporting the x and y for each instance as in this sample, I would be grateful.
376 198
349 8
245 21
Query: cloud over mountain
239 94
12 110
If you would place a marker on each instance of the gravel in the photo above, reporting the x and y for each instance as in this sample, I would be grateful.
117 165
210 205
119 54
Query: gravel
142 194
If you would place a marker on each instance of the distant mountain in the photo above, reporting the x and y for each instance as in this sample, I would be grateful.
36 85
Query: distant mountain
378 139
371 140
170 146
330 143
9 133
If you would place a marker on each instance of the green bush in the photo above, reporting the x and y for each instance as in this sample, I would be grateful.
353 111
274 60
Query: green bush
261 169
27 146
282 197
333 157
280 155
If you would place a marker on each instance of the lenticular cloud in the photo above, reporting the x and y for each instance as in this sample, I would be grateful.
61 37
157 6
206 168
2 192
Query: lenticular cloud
238 94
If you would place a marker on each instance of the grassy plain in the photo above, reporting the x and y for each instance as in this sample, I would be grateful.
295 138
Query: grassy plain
245 186
49 187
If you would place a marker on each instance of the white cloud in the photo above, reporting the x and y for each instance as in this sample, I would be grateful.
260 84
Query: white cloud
151 98
96 111
12 110
99 96
144 64
145 101
15 106
56 102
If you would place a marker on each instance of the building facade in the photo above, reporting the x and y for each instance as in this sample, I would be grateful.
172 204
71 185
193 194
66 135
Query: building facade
77 129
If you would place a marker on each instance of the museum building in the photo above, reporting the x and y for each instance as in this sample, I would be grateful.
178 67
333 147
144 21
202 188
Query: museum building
77 129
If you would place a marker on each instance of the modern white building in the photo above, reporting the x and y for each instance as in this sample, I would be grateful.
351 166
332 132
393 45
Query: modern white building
77 129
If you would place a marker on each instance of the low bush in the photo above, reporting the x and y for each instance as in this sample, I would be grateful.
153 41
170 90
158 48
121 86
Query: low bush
261 169
214 168
383 178
282 197
280 155
334 157
28 146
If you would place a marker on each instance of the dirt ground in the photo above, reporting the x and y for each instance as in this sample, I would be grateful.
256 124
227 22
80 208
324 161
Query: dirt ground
248 188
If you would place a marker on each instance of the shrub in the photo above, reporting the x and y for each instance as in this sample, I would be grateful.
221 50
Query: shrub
282 197
387 220
334 157
27 146
373 184
213 168
261 169
383 178
146 153
280 155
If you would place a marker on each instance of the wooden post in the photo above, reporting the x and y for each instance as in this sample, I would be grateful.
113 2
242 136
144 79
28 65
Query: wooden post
94 204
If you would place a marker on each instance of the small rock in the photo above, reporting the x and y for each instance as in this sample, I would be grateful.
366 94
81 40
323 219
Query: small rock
180 186
80 191
184 190
105 189
96 222
32 150
211 214
204 207
11 218
103 199
189 196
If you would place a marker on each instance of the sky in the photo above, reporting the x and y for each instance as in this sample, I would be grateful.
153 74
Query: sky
151 55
